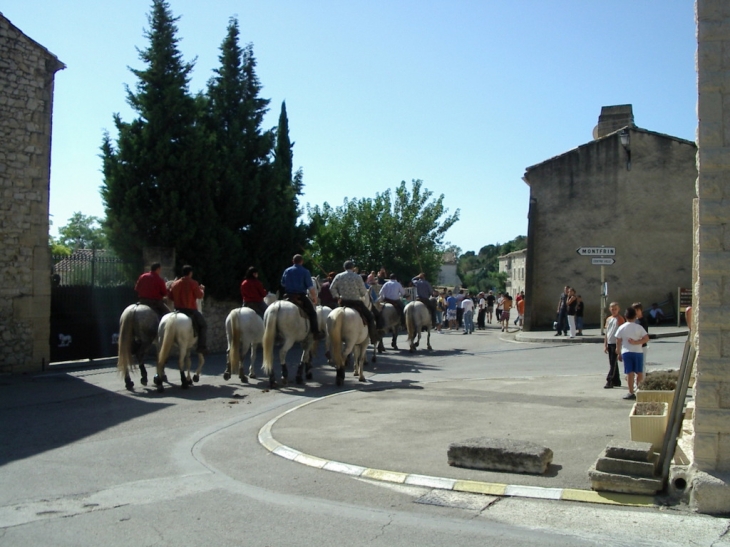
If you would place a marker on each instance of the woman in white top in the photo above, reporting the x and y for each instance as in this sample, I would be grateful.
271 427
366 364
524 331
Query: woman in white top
629 338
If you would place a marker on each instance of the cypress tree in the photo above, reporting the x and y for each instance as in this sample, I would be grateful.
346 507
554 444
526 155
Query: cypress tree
284 236
156 190
234 116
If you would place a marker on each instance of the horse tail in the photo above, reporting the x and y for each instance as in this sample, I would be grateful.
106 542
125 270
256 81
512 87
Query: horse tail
411 321
269 338
336 337
126 339
233 334
168 338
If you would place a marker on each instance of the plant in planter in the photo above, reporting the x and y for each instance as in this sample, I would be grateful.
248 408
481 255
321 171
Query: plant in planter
648 421
658 386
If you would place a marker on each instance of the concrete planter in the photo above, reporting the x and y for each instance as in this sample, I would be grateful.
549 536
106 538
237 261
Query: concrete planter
649 429
655 396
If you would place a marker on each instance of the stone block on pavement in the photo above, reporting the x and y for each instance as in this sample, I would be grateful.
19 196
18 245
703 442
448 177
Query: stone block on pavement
625 484
500 455
629 450
625 467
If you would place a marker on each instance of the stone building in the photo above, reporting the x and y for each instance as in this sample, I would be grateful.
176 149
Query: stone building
710 492
628 188
27 72
513 264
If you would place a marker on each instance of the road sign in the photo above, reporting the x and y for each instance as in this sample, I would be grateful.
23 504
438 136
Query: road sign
596 251
602 261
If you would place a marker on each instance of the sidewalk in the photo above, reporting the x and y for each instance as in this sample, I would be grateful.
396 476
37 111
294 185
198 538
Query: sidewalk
593 335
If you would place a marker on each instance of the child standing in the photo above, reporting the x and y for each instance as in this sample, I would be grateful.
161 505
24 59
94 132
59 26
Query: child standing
629 338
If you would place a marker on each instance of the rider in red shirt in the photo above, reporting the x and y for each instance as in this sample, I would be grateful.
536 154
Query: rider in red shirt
151 289
253 292
184 293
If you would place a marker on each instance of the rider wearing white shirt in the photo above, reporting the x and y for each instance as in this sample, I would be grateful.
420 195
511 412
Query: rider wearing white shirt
391 293
350 288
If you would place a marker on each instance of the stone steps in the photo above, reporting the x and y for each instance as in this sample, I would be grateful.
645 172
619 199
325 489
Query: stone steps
626 467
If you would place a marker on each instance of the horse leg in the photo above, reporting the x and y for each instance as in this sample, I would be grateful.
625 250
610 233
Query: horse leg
381 347
251 369
299 379
308 371
158 378
227 373
394 342
143 374
340 376
184 359
428 340
201 362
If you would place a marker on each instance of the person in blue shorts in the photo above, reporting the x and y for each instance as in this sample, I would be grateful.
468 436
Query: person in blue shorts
629 339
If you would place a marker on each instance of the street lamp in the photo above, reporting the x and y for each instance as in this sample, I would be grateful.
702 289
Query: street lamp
626 143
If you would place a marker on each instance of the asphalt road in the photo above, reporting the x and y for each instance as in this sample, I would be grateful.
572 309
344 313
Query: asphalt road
85 462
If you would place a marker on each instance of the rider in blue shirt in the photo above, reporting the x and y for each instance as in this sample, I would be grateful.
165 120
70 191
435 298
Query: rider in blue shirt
297 282
423 294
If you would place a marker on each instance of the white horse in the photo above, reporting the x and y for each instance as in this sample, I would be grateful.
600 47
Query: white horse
418 318
285 321
244 331
176 329
391 323
348 335
137 332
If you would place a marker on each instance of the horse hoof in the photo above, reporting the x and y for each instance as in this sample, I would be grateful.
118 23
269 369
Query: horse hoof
156 380
160 388
129 384
339 381
299 380
244 380
309 376
164 378
196 378
285 382
362 380
252 375
185 385
430 348
413 350
144 381
226 376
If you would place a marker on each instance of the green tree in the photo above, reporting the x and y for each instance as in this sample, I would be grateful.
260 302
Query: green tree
156 187
278 234
82 232
480 272
402 232
241 150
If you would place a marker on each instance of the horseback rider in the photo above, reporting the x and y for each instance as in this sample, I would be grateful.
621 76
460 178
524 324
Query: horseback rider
423 294
297 282
325 296
184 293
391 293
349 288
151 289
253 292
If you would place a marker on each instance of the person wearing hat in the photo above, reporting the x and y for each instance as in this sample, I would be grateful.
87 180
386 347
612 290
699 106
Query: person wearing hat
325 295
349 288
391 293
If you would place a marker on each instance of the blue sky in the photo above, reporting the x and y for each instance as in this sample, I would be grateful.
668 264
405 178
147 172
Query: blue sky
463 94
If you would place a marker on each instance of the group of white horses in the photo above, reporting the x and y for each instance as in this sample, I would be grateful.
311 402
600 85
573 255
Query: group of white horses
283 322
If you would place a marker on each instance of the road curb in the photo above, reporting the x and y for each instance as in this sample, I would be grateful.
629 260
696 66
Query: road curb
267 440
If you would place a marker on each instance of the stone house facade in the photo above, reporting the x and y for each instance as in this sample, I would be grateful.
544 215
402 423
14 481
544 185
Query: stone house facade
27 72
634 196
513 264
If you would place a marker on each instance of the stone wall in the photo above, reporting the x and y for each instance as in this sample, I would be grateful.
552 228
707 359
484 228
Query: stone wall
26 80
711 307
588 197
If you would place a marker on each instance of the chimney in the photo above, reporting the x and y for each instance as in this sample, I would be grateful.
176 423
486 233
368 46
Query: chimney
612 119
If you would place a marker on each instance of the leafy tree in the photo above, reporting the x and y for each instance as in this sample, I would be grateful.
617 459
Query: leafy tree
277 233
241 150
481 272
81 232
402 232
156 187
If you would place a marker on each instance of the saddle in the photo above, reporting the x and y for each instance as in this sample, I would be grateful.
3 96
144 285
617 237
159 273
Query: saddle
296 299
353 306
